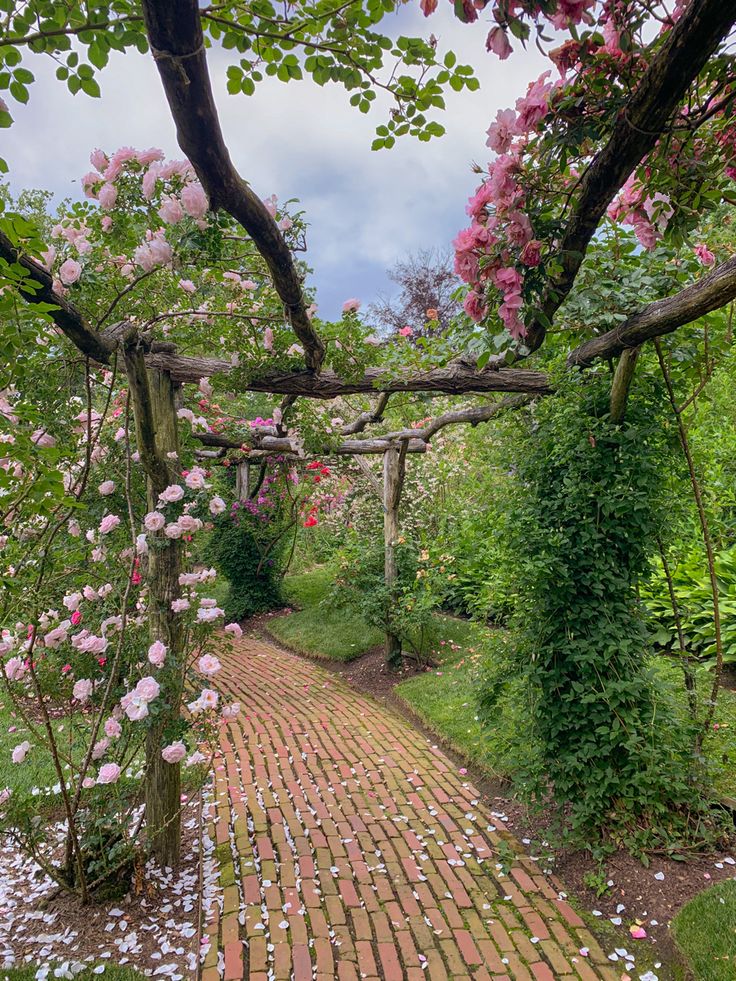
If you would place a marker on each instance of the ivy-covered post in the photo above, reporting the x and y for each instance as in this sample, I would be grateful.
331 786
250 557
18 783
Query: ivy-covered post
394 468
153 397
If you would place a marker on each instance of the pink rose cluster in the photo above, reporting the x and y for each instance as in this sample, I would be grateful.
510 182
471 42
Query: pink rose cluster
135 703
500 243
649 215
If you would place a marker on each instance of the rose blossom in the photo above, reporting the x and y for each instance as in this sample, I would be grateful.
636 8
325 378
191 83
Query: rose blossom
109 773
15 668
209 665
106 487
351 306
157 654
100 748
234 629
171 494
217 505
174 752
82 690
108 523
69 272
113 729
20 752
154 521
179 605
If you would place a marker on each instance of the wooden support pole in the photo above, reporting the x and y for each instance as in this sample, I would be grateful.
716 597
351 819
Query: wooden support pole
394 469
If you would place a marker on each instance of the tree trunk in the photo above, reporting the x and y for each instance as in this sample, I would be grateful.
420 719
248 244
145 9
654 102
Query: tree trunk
394 467
154 405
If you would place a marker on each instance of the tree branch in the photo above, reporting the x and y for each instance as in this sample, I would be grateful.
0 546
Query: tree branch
663 316
175 34
66 316
683 54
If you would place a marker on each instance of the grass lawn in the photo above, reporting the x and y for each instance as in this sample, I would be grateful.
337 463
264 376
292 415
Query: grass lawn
445 697
333 633
316 629
37 770
705 932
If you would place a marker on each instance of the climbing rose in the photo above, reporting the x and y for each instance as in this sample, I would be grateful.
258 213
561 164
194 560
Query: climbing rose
174 752
113 729
179 605
107 487
100 748
704 254
209 665
217 505
109 522
15 668
157 654
42 438
20 752
195 479
107 196
208 698
70 272
351 305
194 200
172 493
154 521
82 690
170 211
498 42
109 773
195 758
187 285
234 629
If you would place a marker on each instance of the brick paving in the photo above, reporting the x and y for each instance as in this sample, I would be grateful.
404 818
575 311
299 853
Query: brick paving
352 848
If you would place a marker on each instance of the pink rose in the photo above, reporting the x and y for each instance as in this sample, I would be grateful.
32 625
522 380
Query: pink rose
70 272
187 285
107 196
157 654
100 748
194 200
350 306
234 629
195 480
113 729
82 690
106 487
15 668
174 752
179 605
109 773
20 752
704 254
173 530
154 521
498 43
147 688
217 505
171 494
88 783
41 438
209 665
108 523
532 253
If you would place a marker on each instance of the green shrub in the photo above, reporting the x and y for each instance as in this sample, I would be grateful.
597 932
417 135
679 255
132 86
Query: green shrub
694 595
251 563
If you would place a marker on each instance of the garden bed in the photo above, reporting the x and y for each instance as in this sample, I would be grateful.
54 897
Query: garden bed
155 928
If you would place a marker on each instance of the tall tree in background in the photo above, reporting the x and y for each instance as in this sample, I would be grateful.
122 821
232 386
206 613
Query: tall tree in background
426 299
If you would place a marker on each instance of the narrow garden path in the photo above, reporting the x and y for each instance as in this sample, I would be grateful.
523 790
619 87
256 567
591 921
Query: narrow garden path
351 848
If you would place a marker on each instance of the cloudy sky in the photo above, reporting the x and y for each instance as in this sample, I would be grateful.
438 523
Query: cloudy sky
365 209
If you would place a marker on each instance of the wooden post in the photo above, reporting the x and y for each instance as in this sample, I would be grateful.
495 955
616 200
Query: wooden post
394 468
153 398
242 481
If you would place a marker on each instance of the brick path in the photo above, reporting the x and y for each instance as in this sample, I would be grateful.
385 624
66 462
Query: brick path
350 847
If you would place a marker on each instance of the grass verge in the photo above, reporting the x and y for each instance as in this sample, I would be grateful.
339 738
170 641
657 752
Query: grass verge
705 932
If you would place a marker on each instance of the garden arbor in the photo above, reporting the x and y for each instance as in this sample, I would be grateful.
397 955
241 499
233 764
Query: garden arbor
606 129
